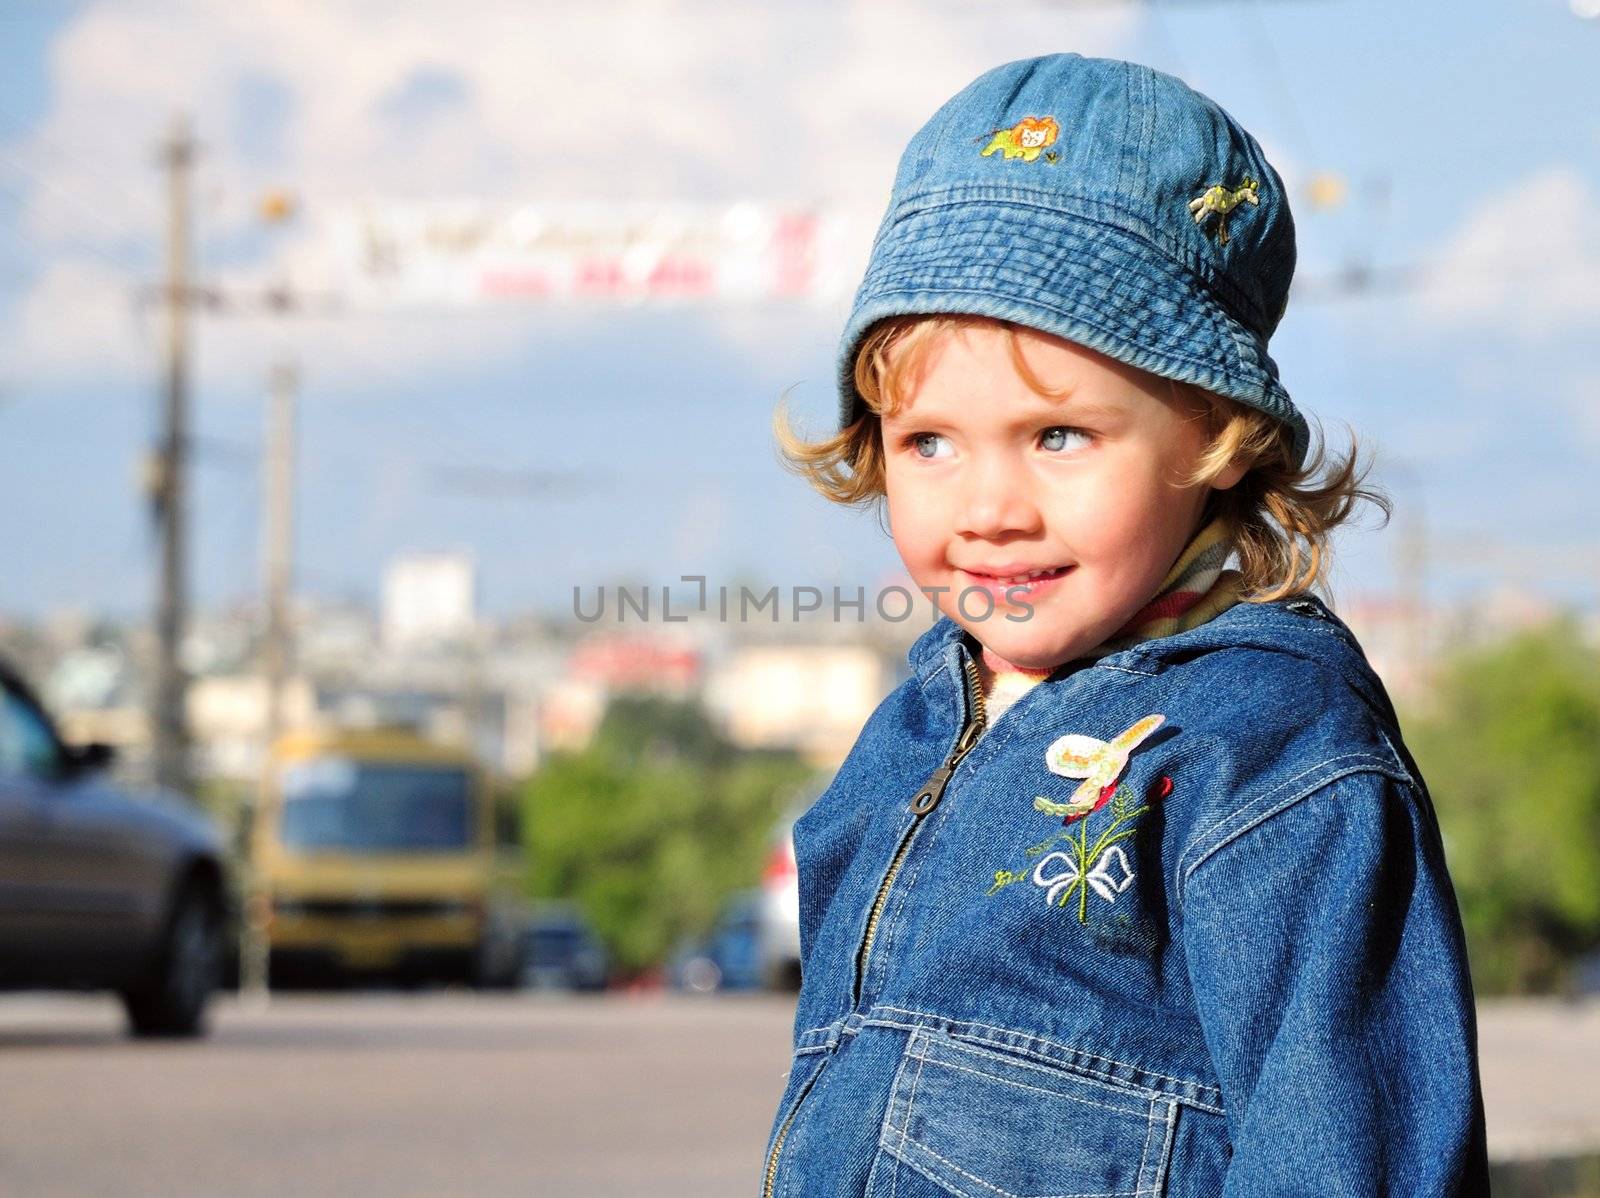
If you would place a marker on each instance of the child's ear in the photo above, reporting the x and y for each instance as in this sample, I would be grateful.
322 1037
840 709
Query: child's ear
1230 476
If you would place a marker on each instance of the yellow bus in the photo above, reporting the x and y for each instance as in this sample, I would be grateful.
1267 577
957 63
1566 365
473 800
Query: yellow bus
377 852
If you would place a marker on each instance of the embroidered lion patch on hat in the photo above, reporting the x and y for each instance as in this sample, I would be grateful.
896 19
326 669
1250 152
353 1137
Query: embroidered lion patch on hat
1027 139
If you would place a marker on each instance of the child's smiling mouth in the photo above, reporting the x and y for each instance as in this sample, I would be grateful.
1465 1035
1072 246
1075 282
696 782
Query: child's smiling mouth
1008 582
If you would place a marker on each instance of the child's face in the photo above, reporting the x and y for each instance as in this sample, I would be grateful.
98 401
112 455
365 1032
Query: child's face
987 479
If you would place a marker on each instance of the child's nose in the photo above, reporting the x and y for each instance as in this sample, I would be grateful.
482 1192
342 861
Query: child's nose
998 499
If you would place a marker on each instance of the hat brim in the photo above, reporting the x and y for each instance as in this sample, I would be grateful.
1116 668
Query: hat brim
1060 272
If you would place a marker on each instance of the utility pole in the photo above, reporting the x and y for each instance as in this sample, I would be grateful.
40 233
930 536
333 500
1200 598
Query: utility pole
277 566
171 740
278 541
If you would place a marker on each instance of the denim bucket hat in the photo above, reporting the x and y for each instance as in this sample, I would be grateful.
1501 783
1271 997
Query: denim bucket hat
1103 202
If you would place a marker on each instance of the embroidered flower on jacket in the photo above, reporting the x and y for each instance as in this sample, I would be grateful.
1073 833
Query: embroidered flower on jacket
1099 763
1082 865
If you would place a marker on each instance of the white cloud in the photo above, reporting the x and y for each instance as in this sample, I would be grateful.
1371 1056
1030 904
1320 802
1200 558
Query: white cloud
1523 262
499 100
81 319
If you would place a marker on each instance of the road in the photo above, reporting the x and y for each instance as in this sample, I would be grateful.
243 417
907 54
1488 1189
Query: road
394 1095
447 1094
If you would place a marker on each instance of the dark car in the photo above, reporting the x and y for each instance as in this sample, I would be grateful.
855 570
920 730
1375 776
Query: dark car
100 890
561 951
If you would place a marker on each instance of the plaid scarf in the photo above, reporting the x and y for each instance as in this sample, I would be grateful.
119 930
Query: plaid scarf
1195 590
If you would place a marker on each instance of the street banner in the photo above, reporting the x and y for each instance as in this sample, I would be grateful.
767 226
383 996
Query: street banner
474 254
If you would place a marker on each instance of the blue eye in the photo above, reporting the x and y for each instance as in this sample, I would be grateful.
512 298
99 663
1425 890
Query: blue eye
928 445
1061 437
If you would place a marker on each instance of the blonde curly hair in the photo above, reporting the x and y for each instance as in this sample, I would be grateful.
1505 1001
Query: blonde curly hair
1281 515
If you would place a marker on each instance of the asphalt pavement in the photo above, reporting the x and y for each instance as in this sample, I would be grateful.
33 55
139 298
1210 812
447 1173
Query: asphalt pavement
451 1093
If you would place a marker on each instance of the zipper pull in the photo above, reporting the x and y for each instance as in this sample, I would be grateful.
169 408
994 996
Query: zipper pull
928 797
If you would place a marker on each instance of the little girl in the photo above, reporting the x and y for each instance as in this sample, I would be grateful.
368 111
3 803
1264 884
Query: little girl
1133 887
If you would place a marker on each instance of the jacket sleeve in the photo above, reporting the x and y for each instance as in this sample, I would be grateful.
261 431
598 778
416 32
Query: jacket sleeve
1329 970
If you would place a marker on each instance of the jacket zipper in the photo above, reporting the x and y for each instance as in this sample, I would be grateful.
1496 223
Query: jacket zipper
925 801
777 1147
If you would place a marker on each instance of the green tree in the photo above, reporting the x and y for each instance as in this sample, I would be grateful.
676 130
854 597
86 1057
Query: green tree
653 825
1511 753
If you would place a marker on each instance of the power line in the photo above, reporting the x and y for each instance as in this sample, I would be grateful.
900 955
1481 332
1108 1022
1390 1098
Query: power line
1359 280
86 163
94 213
1167 44
1272 70
66 241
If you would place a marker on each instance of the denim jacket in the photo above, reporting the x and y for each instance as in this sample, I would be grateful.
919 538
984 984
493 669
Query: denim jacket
1241 971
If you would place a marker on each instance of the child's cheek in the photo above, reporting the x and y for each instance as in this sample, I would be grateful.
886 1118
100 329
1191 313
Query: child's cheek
917 525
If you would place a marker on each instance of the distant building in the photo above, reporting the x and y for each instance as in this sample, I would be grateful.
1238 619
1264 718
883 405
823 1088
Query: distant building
810 698
622 661
1402 642
1504 611
604 664
569 713
1409 644
334 637
228 720
429 598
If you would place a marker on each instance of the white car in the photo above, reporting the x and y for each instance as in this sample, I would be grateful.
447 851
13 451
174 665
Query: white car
780 911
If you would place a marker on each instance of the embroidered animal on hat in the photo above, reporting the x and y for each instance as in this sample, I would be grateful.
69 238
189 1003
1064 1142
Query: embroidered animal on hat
1219 201
1026 139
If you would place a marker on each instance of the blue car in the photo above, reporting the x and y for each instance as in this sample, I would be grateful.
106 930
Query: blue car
732 957
561 952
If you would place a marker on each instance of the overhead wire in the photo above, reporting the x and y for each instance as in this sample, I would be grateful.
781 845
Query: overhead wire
1161 34
91 213
87 164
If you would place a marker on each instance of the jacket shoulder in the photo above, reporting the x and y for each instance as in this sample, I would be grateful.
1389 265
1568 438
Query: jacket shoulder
1270 720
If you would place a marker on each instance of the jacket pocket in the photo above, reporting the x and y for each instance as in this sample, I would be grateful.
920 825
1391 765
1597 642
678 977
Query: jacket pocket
973 1121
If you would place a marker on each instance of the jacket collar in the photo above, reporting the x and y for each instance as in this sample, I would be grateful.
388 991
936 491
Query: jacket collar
928 652
1300 626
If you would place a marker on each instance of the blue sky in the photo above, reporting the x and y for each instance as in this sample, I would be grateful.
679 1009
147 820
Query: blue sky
1468 134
